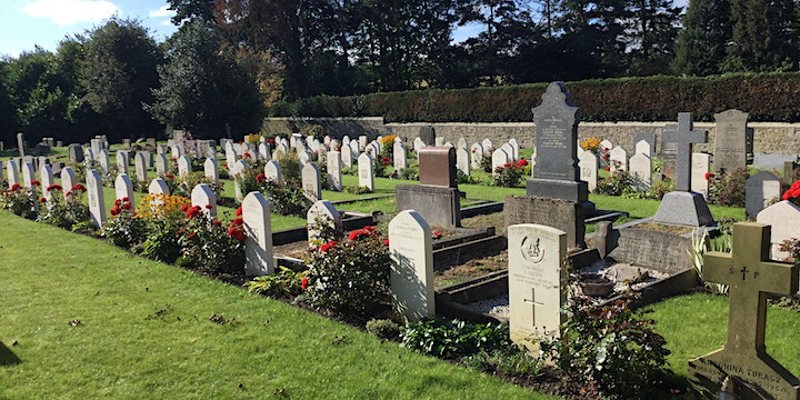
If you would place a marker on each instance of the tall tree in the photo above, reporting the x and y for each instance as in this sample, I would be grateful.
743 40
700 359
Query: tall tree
118 74
192 10
702 42
203 89
764 36
651 31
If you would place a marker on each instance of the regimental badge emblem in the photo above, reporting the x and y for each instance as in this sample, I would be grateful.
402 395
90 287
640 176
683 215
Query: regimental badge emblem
531 250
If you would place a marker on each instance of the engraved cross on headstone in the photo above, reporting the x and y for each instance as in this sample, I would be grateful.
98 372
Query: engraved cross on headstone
751 277
532 301
684 137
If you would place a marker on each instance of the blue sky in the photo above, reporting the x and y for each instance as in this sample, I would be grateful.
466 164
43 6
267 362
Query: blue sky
26 23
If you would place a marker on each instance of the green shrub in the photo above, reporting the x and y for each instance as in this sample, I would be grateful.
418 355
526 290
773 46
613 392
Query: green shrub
124 229
615 185
64 209
603 345
454 339
19 201
728 189
356 189
766 96
383 328
284 284
285 198
208 246
509 175
410 174
511 363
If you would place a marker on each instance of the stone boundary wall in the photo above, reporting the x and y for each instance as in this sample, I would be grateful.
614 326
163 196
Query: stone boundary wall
768 137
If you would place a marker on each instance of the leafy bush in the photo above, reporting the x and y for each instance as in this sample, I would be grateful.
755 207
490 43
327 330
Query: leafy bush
356 189
766 96
465 179
64 209
197 177
284 284
351 277
656 191
486 164
290 166
285 198
510 175
125 229
728 189
19 200
792 246
511 362
454 339
603 345
383 328
615 185
208 246
164 219
409 174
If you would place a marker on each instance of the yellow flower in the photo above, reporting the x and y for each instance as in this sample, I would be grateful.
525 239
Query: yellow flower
590 144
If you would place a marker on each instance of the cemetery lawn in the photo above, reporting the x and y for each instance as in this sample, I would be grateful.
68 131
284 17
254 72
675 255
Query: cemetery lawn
83 319
697 324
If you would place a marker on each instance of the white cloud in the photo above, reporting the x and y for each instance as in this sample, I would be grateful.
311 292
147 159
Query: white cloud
163 12
67 12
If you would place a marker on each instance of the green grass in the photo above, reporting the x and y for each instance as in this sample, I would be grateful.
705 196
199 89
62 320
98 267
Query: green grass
126 348
696 325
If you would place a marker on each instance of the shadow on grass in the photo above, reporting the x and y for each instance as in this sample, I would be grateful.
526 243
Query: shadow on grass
7 357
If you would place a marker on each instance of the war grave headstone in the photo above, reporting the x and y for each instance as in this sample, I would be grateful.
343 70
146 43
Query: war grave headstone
647 137
606 145
123 188
784 217
643 147
264 151
437 197
418 144
589 164
304 157
411 251
335 170
366 172
102 157
476 155
399 157
743 360
184 166
701 164
94 191
162 166
641 171
618 159
176 151
347 156
68 179
122 161
28 174
158 186
272 171
682 206
462 161
362 141
203 196
515 148
258 228
537 282
427 134
75 152
311 181
487 145
230 153
461 144
210 169
46 178
13 172
239 168
322 215
140 166
355 148
760 190
499 159
509 150
730 142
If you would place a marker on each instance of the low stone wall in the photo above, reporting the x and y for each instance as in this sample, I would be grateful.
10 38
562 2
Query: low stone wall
768 137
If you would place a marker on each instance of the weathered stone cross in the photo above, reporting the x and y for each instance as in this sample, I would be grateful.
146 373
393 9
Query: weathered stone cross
684 137
751 277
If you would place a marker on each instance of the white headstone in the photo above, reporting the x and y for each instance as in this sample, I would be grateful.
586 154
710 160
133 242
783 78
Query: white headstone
264 151
239 168
509 150
537 281
311 180
606 145
462 160
68 180
499 159
588 164
461 144
399 156
13 172
176 151
122 161
158 186
123 187
355 148
701 165
411 250
257 226
366 172
162 166
335 170
642 147
230 154
28 174
210 169
362 141
784 216
641 171
487 145
184 166
515 146
439 141
94 190
322 214
46 178
272 171
140 166
304 157
618 159
102 158
203 196
476 155
347 156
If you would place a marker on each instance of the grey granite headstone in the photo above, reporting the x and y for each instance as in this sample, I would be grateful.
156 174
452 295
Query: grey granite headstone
760 190
428 135
75 153
730 147
684 137
668 153
21 144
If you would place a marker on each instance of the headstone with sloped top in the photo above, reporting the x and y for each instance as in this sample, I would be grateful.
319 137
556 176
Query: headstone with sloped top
258 228
94 191
411 277
760 190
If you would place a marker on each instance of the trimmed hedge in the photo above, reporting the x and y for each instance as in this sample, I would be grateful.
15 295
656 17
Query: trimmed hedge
771 97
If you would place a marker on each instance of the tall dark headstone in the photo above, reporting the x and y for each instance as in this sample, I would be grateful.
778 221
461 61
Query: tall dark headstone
437 167
668 153
682 206
730 143
556 174
428 135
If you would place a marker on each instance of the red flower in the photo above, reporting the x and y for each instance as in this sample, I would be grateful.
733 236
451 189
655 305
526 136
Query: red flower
114 211
508 165
260 178
327 246
436 235
42 200
184 208
217 222
239 211
793 192
35 183
237 233
709 175
193 212
358 233
238 221
246 155
522 163
605 149
192 235
604 156
15 187
126 205
370 228
386 242
78 187
68 193
209 206
304 283
125 199
117 202
53 187
607 168
385 161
